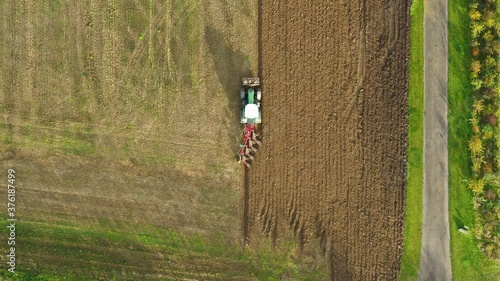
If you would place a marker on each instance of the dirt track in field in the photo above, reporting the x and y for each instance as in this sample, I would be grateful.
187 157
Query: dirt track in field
333 162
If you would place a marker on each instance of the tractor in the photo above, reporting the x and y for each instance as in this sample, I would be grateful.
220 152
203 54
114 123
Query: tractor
251 115
251 95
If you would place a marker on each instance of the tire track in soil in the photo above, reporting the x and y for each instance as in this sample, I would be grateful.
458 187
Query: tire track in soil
333 164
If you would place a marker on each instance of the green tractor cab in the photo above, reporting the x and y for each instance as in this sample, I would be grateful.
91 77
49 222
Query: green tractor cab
251 95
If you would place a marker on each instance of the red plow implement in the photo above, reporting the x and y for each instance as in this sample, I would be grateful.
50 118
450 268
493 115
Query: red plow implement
248 146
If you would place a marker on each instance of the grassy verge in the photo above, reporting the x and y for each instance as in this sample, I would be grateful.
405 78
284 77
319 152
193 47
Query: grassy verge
413 223
468 263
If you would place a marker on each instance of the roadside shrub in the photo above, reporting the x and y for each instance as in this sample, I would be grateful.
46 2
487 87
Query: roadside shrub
484 144
491 63
476 83
475 66
476 186
476 146
488 132
474 14
478 107
477 29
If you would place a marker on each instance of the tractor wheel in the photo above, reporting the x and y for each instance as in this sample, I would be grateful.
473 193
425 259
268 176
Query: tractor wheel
242 94
259 94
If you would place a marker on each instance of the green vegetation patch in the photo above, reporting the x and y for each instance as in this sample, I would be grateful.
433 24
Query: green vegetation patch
126 252
78 142
484 144
468 263
413 222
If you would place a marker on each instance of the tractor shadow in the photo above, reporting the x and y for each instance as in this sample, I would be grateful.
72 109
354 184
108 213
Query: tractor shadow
230 66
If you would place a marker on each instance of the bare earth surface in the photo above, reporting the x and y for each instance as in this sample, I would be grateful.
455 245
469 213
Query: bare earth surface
435 261
333 162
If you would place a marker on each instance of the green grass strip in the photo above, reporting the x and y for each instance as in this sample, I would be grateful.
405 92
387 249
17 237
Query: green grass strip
413 223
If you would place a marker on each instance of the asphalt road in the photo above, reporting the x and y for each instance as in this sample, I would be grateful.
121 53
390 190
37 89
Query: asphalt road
435 253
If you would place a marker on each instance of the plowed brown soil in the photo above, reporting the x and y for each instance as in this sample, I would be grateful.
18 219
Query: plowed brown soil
333 162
